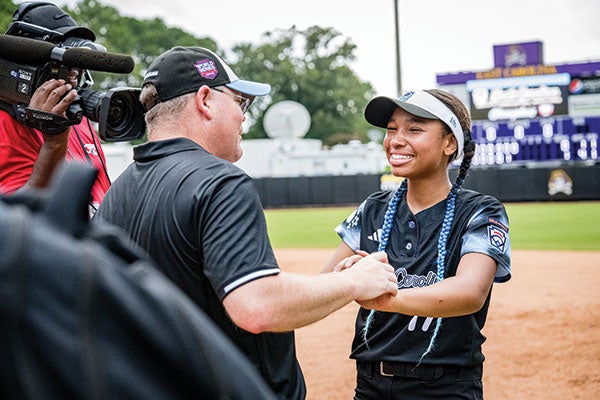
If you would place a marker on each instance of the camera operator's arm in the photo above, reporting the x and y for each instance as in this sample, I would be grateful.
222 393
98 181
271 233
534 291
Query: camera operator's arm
54 96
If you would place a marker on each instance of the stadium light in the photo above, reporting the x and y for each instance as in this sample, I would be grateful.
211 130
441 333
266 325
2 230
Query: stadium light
398 70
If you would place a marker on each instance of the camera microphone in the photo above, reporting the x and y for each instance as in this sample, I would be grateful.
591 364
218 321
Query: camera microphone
25 50
37 52
94 60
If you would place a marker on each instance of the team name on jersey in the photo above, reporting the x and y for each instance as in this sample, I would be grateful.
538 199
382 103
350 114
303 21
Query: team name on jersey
406 280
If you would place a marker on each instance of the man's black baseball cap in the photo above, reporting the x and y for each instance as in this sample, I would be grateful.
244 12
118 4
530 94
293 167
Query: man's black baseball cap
182 70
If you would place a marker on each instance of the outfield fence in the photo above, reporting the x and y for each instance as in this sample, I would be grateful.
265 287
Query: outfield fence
555 182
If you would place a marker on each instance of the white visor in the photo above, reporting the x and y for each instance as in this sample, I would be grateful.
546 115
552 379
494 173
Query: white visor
419 103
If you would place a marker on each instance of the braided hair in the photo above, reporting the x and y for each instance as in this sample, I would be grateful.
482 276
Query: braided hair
458 108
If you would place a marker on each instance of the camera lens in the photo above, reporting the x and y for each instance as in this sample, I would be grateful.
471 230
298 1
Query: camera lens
90 102
119 112
121 115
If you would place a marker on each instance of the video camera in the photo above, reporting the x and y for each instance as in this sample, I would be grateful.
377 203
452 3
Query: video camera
31 55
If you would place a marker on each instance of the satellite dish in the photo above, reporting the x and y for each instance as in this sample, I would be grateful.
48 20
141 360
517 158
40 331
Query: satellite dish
375 135
286 120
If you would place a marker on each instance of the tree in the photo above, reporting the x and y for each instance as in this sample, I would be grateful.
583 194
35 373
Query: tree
7 8
142 39
312 68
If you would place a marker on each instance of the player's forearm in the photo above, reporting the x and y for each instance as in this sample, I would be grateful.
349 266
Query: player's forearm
462 294
342 252
441 300
451 297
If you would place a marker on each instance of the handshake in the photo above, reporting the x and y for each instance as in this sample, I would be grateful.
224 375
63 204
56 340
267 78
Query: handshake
375 279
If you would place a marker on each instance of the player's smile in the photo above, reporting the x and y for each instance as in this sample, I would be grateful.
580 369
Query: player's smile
415 145
400 158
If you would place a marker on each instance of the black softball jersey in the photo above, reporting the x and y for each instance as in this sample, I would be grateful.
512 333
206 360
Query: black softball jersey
480 225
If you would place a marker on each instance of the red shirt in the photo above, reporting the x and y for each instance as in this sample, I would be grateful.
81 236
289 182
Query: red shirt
20 146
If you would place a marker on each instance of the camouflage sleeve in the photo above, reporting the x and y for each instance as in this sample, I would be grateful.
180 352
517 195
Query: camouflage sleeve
349 229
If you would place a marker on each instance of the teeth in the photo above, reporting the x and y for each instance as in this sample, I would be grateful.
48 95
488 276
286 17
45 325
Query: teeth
400 157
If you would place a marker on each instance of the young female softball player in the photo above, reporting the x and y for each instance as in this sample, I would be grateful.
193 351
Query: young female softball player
447 245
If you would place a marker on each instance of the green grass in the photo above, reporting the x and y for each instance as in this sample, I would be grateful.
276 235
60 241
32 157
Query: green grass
555 226
305 227
533 226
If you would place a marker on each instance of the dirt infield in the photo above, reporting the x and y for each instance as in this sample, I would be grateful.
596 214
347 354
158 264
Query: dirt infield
543 331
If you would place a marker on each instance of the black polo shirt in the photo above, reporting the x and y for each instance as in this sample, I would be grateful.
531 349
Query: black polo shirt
201 220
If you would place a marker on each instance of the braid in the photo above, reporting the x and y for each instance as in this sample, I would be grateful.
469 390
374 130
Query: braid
390 213
386 229
469 150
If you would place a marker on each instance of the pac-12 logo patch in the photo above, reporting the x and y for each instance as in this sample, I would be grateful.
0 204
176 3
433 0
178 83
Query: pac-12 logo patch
497 234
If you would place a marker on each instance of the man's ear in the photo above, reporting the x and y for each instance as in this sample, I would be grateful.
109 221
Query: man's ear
204 101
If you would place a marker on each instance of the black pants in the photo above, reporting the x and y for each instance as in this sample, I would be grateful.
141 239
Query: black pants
422 383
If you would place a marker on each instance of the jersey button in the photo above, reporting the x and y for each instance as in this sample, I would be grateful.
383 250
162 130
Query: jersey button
408 246
411 224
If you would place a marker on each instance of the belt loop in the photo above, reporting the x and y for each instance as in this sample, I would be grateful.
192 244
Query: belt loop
382 371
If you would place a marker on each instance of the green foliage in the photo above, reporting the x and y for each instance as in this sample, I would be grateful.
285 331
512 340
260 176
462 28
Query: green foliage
142 39
533 226
7 8
310 67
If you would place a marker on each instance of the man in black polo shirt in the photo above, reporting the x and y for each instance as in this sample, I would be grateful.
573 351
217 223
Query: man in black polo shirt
201 219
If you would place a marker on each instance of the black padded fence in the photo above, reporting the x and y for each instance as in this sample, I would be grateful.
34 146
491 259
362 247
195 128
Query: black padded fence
508 184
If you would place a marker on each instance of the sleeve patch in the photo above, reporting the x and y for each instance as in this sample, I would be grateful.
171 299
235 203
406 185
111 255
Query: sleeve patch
497 234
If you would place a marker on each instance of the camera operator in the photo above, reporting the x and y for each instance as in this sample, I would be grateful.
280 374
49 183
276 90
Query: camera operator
29 157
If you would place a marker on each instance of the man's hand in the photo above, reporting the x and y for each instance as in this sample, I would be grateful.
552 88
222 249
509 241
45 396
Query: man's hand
373 276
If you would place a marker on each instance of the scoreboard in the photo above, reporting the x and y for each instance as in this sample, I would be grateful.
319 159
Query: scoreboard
526 112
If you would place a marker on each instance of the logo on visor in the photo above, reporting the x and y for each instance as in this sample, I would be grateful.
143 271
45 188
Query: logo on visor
207 68
406 96
453 122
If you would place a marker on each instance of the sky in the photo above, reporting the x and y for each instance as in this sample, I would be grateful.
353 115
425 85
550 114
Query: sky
436 36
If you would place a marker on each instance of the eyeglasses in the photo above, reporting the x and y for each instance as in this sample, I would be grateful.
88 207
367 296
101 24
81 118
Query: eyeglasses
242 101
